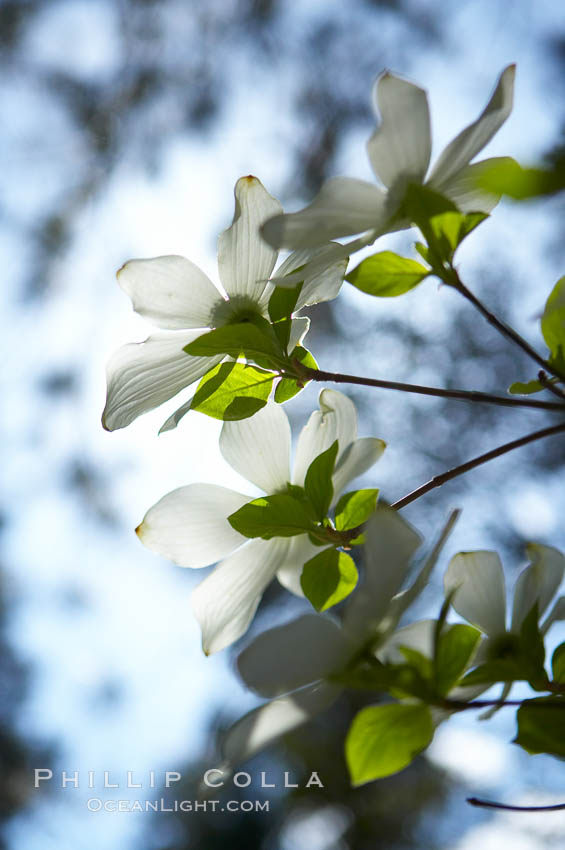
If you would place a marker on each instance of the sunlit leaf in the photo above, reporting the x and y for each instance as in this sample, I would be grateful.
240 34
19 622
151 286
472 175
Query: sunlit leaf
328 577
384 739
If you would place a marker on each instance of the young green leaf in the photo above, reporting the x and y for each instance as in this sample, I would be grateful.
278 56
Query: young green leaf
499 670
455 647
553 321
237 339
527 388
318 481
280 515
232 391
283 301
386 274
287 388
328 577
541 726
355 508
558 664
384 739
504 176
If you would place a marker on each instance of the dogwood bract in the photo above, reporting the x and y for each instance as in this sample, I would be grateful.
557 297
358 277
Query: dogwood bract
399 151
303 655
477 580
190 526
176 295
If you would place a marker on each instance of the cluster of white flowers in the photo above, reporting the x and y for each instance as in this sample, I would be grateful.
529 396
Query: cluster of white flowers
298 665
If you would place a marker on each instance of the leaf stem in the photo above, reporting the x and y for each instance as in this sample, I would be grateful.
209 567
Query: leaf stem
461 395
439 480
506 330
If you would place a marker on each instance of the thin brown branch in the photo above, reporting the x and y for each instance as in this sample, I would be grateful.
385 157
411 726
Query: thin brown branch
439 480
503 328
490 804
460 395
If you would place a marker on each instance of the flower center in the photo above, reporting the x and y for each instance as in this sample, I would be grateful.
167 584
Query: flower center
239 308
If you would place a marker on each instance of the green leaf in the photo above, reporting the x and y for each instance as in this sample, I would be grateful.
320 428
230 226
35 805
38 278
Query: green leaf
520 388
328 577
442 224
387 274
455 647
287 388
531 650
506 177
422 203
280 515
283 301
355 508
237 339
558 664
232 391
451 228
318 480
500 670
541 726
553 321
384 739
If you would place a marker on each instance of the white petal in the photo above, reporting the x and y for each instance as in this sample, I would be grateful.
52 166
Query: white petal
357 458
299 551
418 635
537 583
265 724
473 138
225 602
143 375
189 525
342 207
336 420
402 601
323 261
400 147
170 291
464 189
293 655
388 551
299 327
480 596
556 614
173 420
259 448
245 261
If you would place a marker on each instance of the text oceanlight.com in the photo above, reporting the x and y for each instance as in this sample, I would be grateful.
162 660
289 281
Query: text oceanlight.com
95 804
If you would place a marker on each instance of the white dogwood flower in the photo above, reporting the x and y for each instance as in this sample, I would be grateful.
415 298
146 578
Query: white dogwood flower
399 151
298 659
477 580
178 297
190 526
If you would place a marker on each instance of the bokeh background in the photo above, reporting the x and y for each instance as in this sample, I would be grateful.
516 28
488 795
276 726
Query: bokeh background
125 125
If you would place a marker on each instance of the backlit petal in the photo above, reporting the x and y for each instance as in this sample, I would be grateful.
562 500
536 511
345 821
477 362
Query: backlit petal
225 602
400 147
480 597
473 138
342 207
143 375
293 655
259 448
245 261
189 525
170 291
336 420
